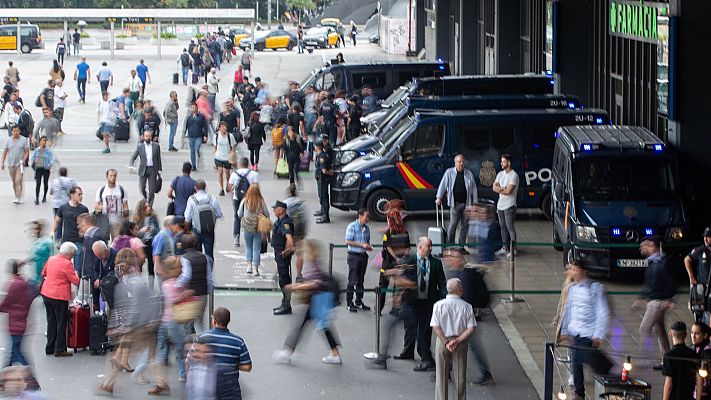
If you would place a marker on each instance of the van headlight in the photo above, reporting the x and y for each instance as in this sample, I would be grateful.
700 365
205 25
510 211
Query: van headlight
350 179
348 156
586 233
676 232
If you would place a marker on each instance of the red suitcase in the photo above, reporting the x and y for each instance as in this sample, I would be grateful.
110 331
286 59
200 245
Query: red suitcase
78 327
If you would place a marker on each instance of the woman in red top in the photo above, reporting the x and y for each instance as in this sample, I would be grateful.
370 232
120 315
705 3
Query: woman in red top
237 81
17 306
57 292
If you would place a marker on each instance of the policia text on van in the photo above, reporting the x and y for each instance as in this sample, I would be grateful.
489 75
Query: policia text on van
613 185
410 164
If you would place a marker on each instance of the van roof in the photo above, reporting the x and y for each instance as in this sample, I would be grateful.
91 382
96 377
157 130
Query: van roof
610 136
383 63
533 111
486 77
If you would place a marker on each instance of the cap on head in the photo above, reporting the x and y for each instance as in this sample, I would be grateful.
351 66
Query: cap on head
707 231
279 204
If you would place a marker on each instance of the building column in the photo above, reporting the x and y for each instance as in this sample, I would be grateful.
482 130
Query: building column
470 54
508 36
571 60
443 35
420 21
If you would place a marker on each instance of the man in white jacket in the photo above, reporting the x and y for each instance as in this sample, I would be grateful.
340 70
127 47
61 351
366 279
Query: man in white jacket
460 187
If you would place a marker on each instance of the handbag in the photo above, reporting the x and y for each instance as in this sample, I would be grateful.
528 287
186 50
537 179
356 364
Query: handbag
282 168
263 249
264 224
159 184
171 208
188 310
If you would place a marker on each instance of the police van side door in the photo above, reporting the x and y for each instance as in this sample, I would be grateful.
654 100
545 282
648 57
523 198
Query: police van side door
538 144
560 192
422 161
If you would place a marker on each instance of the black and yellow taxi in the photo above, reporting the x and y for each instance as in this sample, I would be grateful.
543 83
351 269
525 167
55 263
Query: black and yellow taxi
321 37
239 34
275 39
30 37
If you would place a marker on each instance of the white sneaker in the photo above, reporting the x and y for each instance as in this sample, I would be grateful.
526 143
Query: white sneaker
20 200
502 251
249 268
571 382
281 356
508 255
16 200
331 359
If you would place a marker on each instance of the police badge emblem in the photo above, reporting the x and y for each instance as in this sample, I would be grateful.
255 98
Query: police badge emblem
487 173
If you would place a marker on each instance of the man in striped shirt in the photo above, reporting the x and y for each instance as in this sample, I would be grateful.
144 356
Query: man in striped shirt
229 353
358 241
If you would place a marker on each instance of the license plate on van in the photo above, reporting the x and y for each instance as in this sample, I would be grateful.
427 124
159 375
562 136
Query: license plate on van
632 263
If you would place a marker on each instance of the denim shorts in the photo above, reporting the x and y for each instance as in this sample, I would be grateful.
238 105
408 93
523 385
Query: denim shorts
223 164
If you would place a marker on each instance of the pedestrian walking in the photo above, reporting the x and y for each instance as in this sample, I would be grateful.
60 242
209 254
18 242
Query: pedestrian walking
453 323
135 87
143 74
181 188
395 226
255 139
230 355
196 273
170 114
56 72
149 165
25 121
213 86
42 160
61 50
246 62
105 77
82 74
76 38
239 183
112 201
48 127
679 367
293 148
232 117
150 122
41 249
60 195
56 292
506 185
172 331
202 212
16 304
13 73
323 173
585 323
66 216
658 294
196 130
224 148
185 62
16 152
46 97
460 187
163 246
60 100
358 241
250 208
107 119
283 244
354 33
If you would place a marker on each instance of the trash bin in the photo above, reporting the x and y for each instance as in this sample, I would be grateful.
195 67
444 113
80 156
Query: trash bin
622 396
607 385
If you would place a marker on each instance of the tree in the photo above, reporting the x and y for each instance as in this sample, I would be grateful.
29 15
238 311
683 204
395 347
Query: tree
300 6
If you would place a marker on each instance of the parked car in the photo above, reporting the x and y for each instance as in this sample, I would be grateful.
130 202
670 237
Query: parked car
276 39
321 37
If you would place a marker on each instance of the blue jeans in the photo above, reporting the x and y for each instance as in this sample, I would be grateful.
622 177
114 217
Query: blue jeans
81 88
129 109
208 242
78 258
16 355
237 224
194 150
173 128
185 70
172 332
309 121
253 244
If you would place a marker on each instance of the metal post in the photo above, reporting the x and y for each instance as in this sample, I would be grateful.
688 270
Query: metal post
207 28
19 39
111 43
548 372
269 15
67 43
512 275
277 13
330 259
210 307
251 45
159 38
375 354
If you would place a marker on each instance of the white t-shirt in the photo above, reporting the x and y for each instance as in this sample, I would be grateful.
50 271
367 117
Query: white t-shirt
504 179
59 101
223 145
105 114
112 201
252 178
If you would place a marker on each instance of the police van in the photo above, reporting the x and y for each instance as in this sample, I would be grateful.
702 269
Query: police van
613 185
410 163
361 145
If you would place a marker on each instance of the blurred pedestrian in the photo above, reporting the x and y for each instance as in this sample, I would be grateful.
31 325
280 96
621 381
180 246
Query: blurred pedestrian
196 273
40 250
67 217
112 201
698 264
395 226
460 187
42 161
201 373
296 209
56 292
60 195
56 72
146 221
354 33
171 331
248 211
701 345
18 383
246 62
13 73
48 126
126 239
315 300
17 304
224 147
358 240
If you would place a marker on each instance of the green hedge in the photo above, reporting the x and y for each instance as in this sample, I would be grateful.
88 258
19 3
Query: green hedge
165 35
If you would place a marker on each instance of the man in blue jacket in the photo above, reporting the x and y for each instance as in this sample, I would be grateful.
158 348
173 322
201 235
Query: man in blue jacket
196 130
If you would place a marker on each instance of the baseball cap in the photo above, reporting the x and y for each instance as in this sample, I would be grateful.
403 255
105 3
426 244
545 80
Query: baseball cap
707 231
279 204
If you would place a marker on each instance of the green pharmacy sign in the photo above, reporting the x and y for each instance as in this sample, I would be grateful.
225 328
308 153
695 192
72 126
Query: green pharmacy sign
636 20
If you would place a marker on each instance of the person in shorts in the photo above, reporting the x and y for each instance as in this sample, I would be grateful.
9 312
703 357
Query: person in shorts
222 145
106 120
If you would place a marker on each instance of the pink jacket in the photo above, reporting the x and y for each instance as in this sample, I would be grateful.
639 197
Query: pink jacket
60 275
17 305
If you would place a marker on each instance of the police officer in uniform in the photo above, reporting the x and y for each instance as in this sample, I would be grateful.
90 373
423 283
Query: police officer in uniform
283 244
327 146
701 257
323 175
328 111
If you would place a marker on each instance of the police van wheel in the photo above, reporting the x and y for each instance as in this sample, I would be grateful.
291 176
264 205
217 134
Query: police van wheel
25 48
378 201
547 206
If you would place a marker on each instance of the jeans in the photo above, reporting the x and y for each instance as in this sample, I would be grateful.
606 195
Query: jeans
237 223
302 313
60 58
75 46
79 257
253 244
81 88
194 150
172 332
293 170
457 217
16 355
184 71
506 220
309 120
171 136
104 86
598 361
207 240
357 265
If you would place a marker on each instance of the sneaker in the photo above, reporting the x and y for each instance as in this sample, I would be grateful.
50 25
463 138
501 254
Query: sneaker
106 150
502 251
235 241
181 379
483 380
351 307
571 382
362 306
222 192
281 356
36 201
20 200
331 359
16 200
508 255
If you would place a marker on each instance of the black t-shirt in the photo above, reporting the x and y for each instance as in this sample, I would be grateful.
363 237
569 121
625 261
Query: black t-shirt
76 36
681 371
295 119
460 189
69 215
8 88
328 111
48 97
230 119
282 227
702 258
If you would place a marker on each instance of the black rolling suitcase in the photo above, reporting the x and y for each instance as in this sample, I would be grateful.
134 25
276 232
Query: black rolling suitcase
98 341
175 78
122 131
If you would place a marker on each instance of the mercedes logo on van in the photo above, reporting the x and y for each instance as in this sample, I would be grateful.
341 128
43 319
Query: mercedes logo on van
632 235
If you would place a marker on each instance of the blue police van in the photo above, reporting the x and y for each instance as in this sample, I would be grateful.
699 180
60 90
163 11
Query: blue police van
613 185
381 130
410 163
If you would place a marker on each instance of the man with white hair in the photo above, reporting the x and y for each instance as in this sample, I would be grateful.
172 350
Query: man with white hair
103 264
453 322
213 86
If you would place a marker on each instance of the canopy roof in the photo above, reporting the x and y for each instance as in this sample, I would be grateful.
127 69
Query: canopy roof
141 15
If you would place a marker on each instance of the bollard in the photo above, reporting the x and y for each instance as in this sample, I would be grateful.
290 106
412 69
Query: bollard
330 259
373 355
548 372
210 307
512 275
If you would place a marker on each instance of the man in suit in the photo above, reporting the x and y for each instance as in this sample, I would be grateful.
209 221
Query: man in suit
431 287
149 165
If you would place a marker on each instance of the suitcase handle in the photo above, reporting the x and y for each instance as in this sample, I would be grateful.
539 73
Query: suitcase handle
439 213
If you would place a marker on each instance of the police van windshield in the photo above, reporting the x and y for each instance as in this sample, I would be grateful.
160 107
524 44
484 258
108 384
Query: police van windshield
624 178
394 113
388 141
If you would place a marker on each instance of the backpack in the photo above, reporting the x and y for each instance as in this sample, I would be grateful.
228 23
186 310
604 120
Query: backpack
205 216
107 286
185 59
122 242
298 217
101 195
242 185
30 122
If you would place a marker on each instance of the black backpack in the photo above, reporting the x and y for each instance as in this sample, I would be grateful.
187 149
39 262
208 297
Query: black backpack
185 59
242 186
107 286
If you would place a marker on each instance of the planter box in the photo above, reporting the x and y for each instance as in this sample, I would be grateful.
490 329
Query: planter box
106 45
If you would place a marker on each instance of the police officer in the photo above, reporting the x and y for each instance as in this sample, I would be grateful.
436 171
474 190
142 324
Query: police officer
328 111
701 256
283 244
327 146
323 173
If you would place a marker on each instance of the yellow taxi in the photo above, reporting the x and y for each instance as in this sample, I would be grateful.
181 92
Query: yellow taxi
239 34
30 36
276 39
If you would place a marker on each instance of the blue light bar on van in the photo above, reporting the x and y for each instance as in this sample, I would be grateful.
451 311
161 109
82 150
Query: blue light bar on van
656 147
367 175
439 60
598 121
362 153
552 82
649 231
616 232
589 147
571 105
441 67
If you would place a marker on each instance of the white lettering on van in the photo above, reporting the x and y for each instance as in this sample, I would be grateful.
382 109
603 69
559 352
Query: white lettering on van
543 175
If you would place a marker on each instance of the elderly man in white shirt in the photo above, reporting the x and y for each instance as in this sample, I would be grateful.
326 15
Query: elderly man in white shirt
453 322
